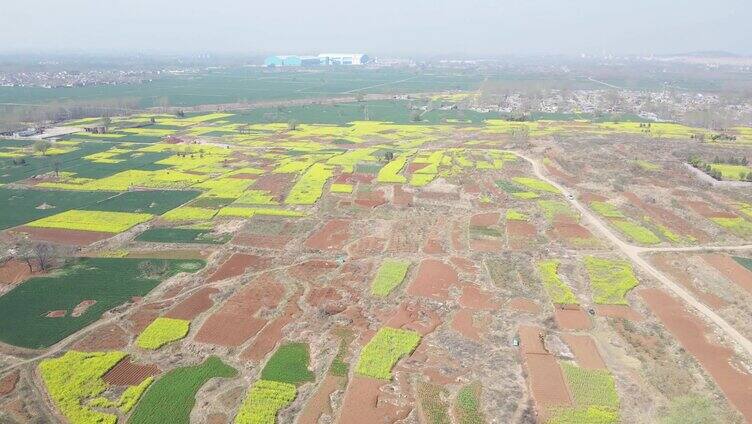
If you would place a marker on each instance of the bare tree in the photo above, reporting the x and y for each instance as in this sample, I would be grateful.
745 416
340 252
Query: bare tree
44 255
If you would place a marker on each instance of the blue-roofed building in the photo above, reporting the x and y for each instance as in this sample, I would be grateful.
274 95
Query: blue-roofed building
292 60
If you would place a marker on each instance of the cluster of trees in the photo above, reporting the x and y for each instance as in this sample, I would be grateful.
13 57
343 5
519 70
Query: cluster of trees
716 174
38 256
731 160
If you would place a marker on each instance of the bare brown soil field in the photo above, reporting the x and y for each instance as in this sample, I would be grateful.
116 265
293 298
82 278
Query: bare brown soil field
365 402
717 360
571 317
663 262
332 236
520 234
193 305
415 316
261 241
237 265
618 311
434 279
63 236
370 199
433 247
277 184
58 313
82 307
402 197
730 269
464 324
585 351
312 269
105 338
521 304
235 321
463 264
544 377
271 334
484 219
486 245
475 298
707 210
8 382
366 246
127 373
14 272
320 403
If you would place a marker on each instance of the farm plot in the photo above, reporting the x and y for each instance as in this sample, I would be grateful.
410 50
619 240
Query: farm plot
171 398
107 222
182 235
595 397
610 280
101 282
21 206
387 347
153 202
389 276
161 332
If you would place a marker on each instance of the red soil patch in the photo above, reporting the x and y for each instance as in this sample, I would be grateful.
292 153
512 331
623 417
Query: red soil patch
730 269
319 296
142 316
370 199
82 307
332 236
262 241
8 383
277 184
105 338
486 245
320 402
588 197
311 270
716 359
402 197
235 321
569 230
433 247
272 333
126 373
433 280
556 172
475 298
707 211
618 311
365 403
545 379
14 272
463 264
585 351
412 167
471 188
682 277
666 217
463 323
412 316
521 229
366 246
520 304
59 313
193 305
571 317
237 264
62 236
485 219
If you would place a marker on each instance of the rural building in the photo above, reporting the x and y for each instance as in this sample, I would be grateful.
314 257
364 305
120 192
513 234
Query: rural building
343 59
322 59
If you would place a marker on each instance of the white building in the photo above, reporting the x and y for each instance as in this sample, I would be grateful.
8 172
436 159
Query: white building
343 58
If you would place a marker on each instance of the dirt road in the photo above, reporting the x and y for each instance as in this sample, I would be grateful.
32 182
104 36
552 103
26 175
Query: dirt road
633 253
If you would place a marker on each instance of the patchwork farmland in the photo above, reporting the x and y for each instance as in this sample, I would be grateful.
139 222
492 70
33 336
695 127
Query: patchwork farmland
215 268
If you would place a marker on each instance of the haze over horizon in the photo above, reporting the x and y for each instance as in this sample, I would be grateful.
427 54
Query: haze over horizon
389 27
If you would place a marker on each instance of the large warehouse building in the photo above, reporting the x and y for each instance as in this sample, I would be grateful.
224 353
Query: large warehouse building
322 59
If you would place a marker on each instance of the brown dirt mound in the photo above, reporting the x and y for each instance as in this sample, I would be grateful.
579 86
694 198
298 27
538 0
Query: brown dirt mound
618 311
571 317
521 304
58 313
193 305
82 307
8 382
13 272
237 265
433 280
585 351
332 236
262 241
126 373
235 321
716 359
62 236
485 219
320 402
272 333
730 269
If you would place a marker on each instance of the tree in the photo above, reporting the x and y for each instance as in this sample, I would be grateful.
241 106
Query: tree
292 124
43 254
42 146
106 121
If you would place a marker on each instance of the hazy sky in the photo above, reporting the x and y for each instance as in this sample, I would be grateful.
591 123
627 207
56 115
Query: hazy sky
474 27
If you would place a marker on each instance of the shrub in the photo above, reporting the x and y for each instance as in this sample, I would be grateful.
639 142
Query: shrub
387 347
162 331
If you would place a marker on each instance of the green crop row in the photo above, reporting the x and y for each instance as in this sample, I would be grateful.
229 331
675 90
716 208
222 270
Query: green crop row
289 364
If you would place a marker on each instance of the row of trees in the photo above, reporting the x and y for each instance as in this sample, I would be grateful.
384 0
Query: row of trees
716 174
